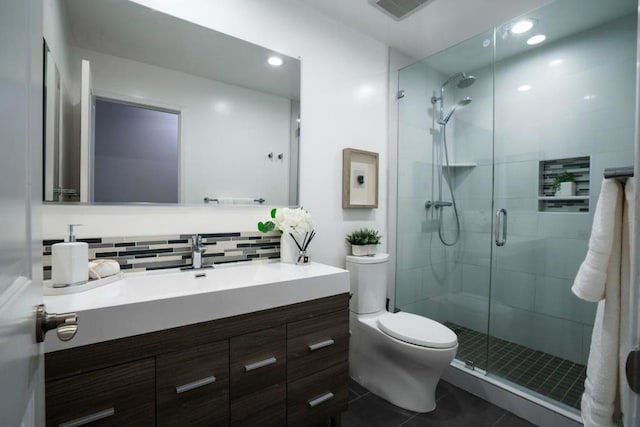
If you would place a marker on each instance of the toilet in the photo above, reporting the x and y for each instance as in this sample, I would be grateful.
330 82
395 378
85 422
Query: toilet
397 356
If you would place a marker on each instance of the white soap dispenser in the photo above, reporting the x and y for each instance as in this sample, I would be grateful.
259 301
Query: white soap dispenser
69 262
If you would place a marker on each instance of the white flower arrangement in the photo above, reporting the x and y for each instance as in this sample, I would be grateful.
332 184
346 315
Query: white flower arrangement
294 222
289 221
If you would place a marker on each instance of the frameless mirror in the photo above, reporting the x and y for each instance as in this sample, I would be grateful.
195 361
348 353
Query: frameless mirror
144 107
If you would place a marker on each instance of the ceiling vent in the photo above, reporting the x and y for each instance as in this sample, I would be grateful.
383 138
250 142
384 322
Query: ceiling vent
399 9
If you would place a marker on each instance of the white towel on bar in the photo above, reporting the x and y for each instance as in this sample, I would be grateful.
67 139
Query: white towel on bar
604 277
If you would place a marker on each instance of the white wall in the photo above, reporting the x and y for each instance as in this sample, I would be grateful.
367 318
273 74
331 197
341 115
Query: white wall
226 131
343 104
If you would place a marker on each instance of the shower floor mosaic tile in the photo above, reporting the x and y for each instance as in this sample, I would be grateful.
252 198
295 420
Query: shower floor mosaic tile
548 375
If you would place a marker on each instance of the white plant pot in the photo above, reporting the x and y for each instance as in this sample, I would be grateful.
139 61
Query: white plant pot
364 250
566 189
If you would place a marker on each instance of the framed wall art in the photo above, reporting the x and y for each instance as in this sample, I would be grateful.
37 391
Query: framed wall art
359 179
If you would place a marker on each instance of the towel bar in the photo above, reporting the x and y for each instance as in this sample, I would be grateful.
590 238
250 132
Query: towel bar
214 199
619 172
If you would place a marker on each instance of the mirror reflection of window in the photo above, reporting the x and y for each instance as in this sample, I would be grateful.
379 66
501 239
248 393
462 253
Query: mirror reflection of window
136 153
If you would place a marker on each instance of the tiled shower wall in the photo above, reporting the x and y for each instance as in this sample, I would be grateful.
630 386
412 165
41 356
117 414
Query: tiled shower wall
580 106
142 253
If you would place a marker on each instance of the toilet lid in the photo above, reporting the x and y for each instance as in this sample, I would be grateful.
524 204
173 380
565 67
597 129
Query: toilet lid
417 330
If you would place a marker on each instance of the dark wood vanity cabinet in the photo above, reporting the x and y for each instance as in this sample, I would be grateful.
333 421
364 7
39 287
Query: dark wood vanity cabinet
277 367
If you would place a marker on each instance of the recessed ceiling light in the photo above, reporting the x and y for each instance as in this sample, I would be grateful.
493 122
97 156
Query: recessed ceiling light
537 39
275 61
522 26
556 62
524 88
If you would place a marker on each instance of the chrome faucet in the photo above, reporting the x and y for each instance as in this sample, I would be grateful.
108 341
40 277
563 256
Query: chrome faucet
197 249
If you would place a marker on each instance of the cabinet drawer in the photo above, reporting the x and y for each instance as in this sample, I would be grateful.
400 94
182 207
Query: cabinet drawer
264 408
316 344
316 398
192 386
257 360
117 396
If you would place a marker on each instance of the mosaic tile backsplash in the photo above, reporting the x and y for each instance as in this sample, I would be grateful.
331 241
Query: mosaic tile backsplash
170 251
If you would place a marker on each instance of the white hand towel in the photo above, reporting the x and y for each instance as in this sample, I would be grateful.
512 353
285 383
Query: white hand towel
589 283
626 343
103 268
599 277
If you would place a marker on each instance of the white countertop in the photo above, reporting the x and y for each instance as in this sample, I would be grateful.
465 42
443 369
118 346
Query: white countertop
151 301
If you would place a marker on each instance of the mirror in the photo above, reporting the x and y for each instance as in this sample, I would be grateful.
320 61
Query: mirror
142 107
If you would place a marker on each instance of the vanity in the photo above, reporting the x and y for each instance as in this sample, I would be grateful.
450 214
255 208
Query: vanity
261 344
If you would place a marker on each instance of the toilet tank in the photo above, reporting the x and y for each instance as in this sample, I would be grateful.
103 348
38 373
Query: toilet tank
368 276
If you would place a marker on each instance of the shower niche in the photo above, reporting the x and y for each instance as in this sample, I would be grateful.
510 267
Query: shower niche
571 172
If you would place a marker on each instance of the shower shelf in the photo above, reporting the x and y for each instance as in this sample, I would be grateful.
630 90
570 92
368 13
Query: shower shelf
461 165
563 198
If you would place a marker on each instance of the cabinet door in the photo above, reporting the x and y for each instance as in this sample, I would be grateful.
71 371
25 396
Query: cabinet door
192 386
314 399
117 396
257 360
316 344
264 408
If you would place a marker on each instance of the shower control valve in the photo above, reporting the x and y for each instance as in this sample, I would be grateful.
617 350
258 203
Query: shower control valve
428 204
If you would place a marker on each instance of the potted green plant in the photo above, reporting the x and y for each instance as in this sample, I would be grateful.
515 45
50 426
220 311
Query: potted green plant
364 241
565 184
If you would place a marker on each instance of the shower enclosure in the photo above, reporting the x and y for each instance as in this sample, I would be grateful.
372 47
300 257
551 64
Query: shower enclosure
487 242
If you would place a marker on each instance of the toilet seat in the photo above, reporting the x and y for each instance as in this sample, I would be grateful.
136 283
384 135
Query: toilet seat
417 330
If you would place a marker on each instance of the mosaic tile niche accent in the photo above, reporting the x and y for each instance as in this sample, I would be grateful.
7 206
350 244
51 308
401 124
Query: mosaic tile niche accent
142 253
580 168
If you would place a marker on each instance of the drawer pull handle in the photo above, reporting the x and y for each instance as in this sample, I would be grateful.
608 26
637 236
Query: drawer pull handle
260 364
89 418
320 399
321 344
195 384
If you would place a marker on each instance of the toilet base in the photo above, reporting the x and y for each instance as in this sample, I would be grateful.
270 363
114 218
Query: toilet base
404 374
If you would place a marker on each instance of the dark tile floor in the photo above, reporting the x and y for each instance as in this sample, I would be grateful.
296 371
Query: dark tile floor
455 407
548 375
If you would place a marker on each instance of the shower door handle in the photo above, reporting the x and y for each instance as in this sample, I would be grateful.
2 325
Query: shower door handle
501 222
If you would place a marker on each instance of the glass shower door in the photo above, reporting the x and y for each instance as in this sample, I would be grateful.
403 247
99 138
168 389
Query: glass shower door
564 111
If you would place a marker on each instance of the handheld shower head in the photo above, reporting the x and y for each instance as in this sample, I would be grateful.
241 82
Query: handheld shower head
462 103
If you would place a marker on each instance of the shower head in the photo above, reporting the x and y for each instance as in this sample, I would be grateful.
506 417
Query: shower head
463 80
463 102
466 81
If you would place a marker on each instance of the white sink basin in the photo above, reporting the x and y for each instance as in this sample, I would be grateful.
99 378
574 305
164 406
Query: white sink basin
151 301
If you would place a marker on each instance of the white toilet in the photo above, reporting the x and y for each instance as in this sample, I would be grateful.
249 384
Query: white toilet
397 356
